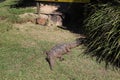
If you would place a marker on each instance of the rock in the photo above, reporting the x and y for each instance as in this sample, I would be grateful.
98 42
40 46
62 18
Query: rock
55 20
48 9
41 21
49 19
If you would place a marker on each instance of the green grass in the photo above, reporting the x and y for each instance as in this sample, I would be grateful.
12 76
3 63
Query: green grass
22 57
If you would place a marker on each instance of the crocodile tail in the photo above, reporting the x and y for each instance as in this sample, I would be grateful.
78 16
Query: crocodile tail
81 41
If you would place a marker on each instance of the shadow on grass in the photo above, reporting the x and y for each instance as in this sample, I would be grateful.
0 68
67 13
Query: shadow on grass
24 3
2 1
74 17
108 64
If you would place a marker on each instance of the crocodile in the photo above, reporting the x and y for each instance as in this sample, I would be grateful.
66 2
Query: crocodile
58 50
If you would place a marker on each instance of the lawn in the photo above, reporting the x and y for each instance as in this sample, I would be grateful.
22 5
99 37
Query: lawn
23 46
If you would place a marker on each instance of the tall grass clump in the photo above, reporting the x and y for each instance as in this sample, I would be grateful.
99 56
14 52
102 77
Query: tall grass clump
103 30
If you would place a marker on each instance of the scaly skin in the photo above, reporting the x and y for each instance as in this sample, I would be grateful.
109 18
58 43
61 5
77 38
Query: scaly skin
61 49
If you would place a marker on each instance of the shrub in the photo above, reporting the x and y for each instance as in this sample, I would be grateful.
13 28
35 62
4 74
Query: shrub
103 30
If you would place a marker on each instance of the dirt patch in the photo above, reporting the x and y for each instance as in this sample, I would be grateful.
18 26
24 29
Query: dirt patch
37 32
28 17
53 34
2 18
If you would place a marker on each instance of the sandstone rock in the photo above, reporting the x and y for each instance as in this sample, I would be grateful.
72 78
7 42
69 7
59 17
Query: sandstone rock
48 9
41 21
55 20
